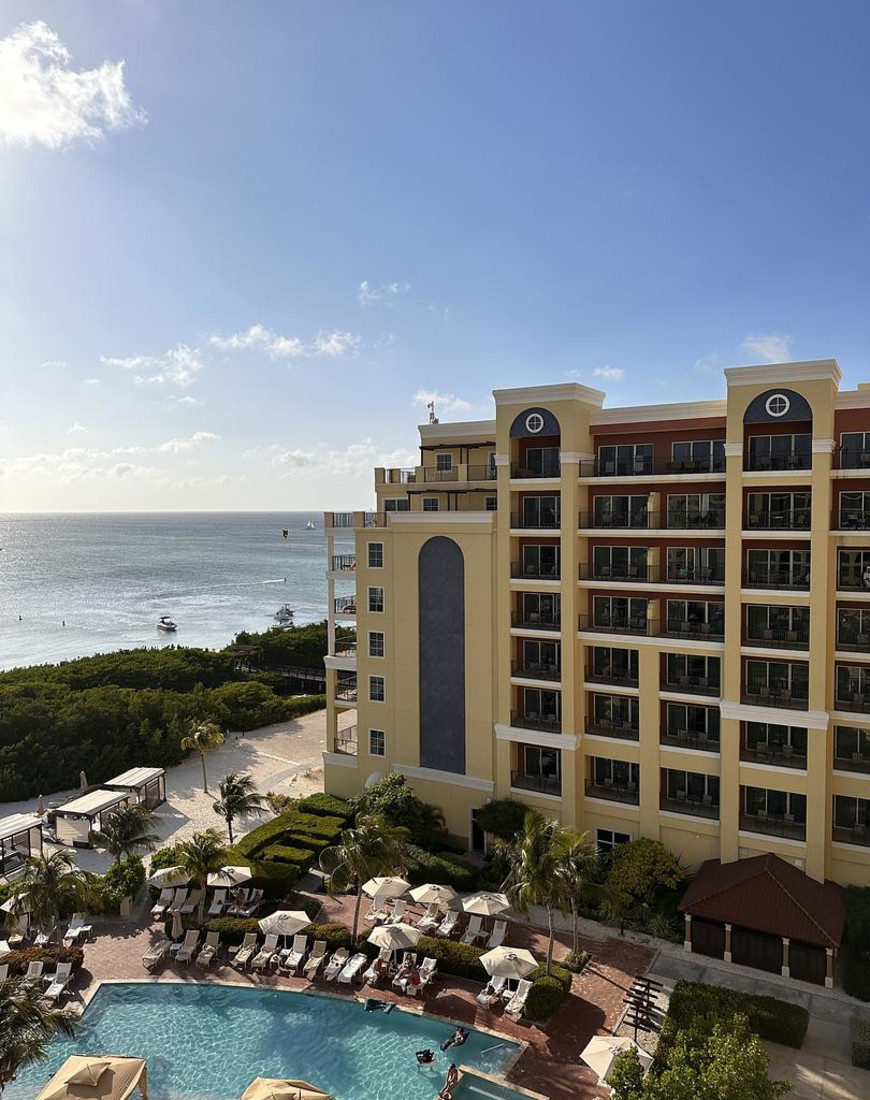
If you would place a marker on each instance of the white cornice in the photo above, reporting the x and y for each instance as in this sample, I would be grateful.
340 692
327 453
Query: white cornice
535 737
440 519
454 779
779 374
649 414
541 395
459 429
783 716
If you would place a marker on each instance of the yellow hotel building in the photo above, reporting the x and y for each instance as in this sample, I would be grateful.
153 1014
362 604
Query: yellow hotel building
649 621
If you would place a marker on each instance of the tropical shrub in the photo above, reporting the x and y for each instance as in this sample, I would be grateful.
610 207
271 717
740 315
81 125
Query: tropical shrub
393 799
124 879
642 868
694 1004
163 858
302 858
20 960
460 959
422 866
859 1040
324 805
576 961
502 818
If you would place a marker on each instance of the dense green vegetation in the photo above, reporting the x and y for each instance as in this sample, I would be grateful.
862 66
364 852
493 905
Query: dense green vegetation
856 943
297 646
859 1041
696 1005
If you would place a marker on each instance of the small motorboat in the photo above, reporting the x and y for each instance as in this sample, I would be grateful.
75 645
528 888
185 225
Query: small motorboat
309 526
284 614
166 624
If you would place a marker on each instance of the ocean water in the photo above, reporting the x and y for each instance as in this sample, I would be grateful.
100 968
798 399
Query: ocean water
110 576
208 1042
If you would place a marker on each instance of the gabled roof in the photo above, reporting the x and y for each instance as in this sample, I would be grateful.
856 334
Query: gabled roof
18 823
135 777
767 894
93 803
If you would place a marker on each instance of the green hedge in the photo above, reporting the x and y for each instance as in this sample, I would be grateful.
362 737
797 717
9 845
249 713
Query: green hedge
859 1040
423 866
276 880
19 961
324 805
460 959
301 858
771 1019
856 943
272 832
313 844
547 993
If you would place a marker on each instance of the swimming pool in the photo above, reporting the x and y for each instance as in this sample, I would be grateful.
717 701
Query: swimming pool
208 1042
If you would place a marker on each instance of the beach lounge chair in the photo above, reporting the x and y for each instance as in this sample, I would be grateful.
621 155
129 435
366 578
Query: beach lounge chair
60 979
448 925
498 934
315 959
430 918
218 903
373 971
34 973
291 959
193 900
428 972
77 929
247 951
155 953
378 912
191 939
398 912
266 954
336 963
254 902
177 903
353 968
491 992
240 900
4 971
163 902
474 930
515 1005
43 939
206 957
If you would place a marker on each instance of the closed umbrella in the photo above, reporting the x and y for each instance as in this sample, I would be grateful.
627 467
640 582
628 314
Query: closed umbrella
177 925
83 781
270 1088
169 876
284 922
600 1051
385 887
230 876
40 807
485 903
396 937
509 962
433 893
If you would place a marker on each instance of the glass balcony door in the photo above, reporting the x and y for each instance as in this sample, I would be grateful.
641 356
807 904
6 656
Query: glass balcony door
543 512
542 561
619 562
625 459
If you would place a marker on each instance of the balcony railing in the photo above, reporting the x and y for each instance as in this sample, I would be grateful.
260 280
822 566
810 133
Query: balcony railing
639 574
648 467
692 521
623 731
481 473
797 520
852 580
852 834
548 723
536 621
342 519
697 740
432 475
532 572
774 697
678 628
796 579
712 519
791 461
375 519
773 825
546 469
346 742
782 756
692 685
779 639
852 640
536 672
343 563
696 807
539 784
617 521
619 676
406 476
849 459
345 647
850 519
613 793
344 605
857 762
550 521
856 702
346 690
630 625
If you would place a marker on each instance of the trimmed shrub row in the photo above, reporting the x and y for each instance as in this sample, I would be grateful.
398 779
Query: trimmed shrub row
19 961
859 1039
423 866
281 853
461 959
771 1019
547 993
856 942
324 805
232 930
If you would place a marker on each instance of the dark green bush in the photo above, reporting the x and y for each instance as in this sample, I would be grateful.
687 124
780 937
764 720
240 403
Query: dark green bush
124 879
293 821
312 844
423 866
859 1039
163 858
460 959
232 930
303 704
694 1004
19 961
502 818
275 879
545 997
324 805
576 962
336 935
856 943
301 858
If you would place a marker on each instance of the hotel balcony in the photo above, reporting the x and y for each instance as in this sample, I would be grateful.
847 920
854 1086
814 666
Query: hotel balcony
712 519
759 696
782 825
855 702
851 519
628 793
694 807
345 606
768 752
851 579
797 520
775 638
431 475
529 720
848 458
618 521
639 574
851 640
651 466
354 519
618 626
345 647
343 563
691 685
537 784
858 762
550 467
678 628
346 688
694 740
795 580
621 677
852 834
623 731
536 671
533 572
346 741
536 621
791 460
546 521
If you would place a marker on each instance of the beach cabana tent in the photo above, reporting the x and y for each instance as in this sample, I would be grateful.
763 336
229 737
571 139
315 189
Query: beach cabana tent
272 1088
77 819
147 784
20 838
97 1077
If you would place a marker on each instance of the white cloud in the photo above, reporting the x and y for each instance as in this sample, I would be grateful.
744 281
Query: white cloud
708 364
444 402
177 367
194 442
262 338
43 100
77 429
386 293
355 460
335 345
612 374
772 347
53 365
173 401
90 381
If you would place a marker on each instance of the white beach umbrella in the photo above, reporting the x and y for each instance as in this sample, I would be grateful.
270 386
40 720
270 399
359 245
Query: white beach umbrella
169 876
396 937
230 876
385 887
485 903
433 893
509 962
600 1051
177 925
285 922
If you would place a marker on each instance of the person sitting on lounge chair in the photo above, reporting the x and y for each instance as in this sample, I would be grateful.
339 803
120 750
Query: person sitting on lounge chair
456 1039
425 1057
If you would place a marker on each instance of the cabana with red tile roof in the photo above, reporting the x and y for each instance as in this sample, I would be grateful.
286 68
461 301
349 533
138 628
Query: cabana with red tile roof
765 913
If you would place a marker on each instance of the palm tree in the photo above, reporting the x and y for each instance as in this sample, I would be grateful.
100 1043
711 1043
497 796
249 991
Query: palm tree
374 847
51 886
202 737
201 856
535 879
577 868
125 831
239 798
27 1025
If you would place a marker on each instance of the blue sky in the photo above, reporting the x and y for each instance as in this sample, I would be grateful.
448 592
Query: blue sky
231 270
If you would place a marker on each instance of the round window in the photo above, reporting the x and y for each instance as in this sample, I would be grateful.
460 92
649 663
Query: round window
777 404
534 423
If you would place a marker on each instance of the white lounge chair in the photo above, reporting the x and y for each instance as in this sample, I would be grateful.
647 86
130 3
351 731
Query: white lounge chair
315 959
352 968
43 939
428 972
4 971
383 957
430 918
254 902
498 934
155 953
218 902
398 912
34 973
240 900
60 979
515 1005
177 903
206 957
163 902
76 930
379 912
193 900
291 959
266 954
491 991
185 953
474 930
247 951
336 963
448 925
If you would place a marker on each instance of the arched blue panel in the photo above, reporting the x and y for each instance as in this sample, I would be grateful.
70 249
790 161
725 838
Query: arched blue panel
441 595
798 408
549 424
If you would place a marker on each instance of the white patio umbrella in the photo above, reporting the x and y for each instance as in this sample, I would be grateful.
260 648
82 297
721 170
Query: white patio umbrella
600 1051
385 887
169 876
177 925
397 937
485 903
230 876
509 962
434 893
284 922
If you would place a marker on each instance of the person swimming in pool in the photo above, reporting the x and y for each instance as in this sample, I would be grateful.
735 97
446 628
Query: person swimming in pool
425 1057
450 1084
456 1039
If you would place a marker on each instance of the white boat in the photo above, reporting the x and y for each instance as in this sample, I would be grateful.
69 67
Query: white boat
165 623
309 526
284 614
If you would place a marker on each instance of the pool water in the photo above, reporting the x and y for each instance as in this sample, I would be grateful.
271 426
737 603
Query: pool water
209 1042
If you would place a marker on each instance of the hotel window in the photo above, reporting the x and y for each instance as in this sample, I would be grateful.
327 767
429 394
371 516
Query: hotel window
780 452
444 461
851 747
855 510
377 743
376 598
696 617
853 684
851 816
397 504
619 562
779 568
376 643
699 722
695 564
615 664
377 689
769 740
541 763
620 511
854 450
693 510
542 656
698 457
764 803
542 608
690 670
769 511
853 569
777 624
777 680
684 786
853 627
542 511
541 561
491 504
621 712
376 555
628 458
615 773
620 611
607 839
430 504
543 461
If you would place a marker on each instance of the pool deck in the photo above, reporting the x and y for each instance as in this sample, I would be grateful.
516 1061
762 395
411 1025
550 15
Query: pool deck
549 1062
